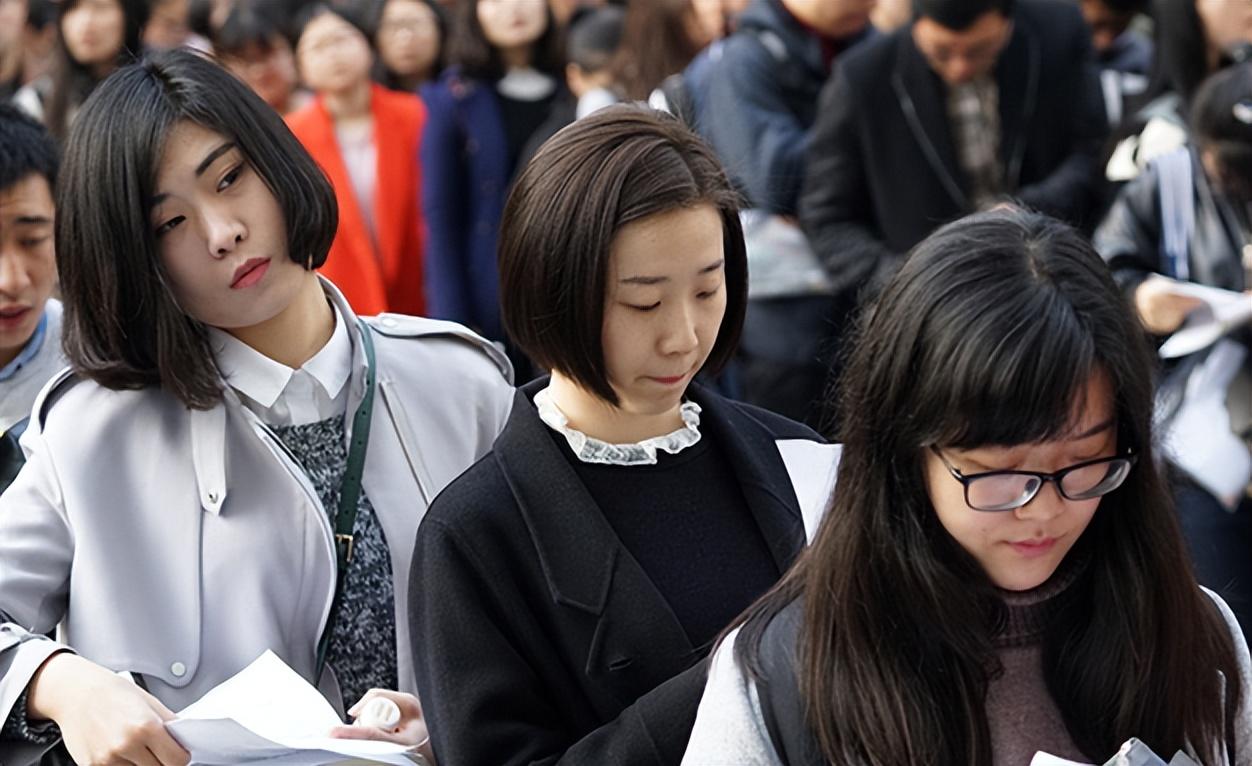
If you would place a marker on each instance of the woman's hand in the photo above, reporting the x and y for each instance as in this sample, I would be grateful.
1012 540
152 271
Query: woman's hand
1160 307
104 718
410 730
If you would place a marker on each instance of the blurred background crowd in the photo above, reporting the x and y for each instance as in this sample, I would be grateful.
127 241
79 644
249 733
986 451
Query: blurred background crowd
852 128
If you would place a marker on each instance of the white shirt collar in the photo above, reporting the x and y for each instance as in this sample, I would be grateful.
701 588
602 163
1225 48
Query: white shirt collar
589 449
263 380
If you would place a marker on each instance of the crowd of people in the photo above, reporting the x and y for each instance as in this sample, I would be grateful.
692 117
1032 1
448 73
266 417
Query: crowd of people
630 381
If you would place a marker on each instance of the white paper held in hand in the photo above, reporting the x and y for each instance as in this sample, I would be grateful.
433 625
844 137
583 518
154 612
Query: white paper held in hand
265 712
1220 312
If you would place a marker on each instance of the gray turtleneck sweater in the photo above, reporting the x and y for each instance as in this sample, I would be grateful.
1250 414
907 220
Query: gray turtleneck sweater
1023 718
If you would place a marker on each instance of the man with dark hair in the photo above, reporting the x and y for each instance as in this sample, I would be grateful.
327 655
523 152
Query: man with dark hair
1124 55
975 103
30 321
756 103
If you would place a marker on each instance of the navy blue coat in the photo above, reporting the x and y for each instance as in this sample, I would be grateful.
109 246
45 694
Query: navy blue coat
759 100
465 177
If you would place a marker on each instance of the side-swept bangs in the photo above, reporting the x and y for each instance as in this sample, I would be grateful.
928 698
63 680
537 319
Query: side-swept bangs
1007 326
123 327
618 165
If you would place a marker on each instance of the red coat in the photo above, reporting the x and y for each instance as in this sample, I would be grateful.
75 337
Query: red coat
388 278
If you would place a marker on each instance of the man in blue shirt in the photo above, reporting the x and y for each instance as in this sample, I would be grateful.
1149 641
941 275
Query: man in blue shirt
30 321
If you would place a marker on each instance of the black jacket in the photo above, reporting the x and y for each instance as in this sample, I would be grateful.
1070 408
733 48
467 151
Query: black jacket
1130 237
883 170
539 638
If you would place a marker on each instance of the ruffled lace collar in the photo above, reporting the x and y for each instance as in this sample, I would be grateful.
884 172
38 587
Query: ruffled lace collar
591 450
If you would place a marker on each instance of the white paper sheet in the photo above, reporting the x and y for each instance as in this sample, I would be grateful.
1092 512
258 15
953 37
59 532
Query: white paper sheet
1222 311
267 712
812 469
1133 752
1199 439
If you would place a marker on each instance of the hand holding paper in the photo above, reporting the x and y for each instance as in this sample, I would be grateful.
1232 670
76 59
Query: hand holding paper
268 711
1216 313
388 716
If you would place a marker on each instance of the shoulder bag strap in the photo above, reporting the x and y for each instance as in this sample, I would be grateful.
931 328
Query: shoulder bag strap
350 490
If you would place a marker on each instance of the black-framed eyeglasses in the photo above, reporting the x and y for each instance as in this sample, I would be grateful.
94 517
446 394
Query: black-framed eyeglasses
1008 490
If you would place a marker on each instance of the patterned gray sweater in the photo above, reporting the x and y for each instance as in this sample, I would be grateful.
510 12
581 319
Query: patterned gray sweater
363 643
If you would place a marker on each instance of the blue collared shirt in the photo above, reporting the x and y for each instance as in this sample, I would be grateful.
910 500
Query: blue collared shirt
28 351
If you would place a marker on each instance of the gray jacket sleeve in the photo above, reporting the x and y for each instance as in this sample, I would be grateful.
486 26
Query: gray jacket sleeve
36 547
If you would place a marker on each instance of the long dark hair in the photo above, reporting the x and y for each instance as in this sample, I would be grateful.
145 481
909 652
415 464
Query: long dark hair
987 336
72 81
123 327
477 58
656 43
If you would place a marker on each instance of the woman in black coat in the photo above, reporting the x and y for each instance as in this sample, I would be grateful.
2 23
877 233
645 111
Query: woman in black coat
1188 218
576 577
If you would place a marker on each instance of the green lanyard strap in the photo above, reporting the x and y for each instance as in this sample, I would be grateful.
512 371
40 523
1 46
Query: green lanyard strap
350 490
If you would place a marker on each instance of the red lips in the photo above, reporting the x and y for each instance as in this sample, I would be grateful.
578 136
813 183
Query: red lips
249 273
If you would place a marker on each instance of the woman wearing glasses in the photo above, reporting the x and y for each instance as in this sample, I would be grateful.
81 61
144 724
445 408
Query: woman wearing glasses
1000 571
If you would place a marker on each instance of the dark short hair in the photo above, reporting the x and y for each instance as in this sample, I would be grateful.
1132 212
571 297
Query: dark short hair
619 165
469 50
959 14
123 326
350 11
1221 120
385 76
594 36
25 148
245 26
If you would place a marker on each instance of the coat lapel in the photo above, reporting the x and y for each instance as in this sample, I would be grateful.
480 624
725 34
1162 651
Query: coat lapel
585 566
921 97
1017 80
763 477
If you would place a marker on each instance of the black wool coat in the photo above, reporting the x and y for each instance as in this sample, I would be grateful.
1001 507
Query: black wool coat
539 639
882 168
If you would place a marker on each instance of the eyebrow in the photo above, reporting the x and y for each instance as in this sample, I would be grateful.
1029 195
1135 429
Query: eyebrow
1093 430
642 280
208 160
31 220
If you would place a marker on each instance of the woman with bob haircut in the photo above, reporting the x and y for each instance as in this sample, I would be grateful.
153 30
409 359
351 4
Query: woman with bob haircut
1000 570
625 514
235 462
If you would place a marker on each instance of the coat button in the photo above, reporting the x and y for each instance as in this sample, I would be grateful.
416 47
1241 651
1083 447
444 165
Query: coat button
178 669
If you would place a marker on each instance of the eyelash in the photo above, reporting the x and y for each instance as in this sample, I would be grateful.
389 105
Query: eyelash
704 296
230 177
227 181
